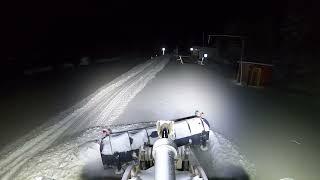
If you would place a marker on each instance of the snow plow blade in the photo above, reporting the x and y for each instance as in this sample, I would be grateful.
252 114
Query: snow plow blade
134 148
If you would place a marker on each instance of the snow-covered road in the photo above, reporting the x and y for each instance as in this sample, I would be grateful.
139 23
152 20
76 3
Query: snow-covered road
99 109
275 131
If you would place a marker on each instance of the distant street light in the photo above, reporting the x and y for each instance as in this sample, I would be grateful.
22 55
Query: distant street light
202 59
191 49
163 49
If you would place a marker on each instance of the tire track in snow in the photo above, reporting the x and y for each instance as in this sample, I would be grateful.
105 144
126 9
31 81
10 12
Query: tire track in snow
102 103
102 92
138 77
48 135
16 157
117 105
114 104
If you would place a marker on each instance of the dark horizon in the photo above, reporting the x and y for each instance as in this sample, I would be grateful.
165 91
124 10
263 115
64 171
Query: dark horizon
55 29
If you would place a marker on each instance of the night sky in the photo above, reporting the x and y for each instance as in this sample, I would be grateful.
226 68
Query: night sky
66 28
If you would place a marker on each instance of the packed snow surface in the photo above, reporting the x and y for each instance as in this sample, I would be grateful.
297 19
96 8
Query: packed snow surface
99 109
67 146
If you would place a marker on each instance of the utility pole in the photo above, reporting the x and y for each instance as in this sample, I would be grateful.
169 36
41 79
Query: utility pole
241 58
202 39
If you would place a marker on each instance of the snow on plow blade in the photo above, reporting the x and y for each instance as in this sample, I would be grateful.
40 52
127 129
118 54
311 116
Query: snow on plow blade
120 148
